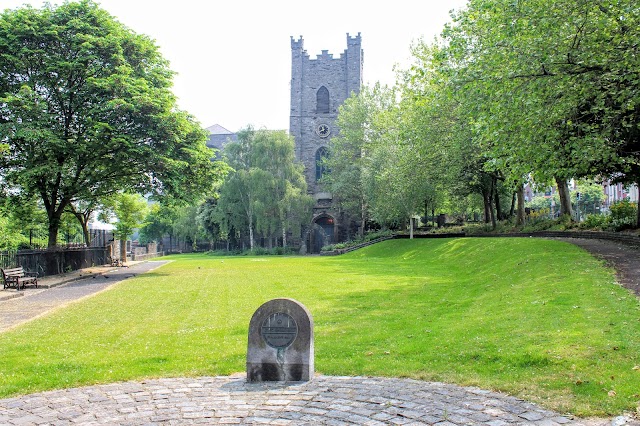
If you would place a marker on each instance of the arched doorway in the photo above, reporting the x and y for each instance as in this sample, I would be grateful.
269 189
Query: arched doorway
322 233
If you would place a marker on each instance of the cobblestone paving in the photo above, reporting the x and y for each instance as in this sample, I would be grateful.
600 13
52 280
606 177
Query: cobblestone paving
325 400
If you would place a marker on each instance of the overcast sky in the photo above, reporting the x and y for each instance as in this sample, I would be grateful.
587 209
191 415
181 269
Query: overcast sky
233 57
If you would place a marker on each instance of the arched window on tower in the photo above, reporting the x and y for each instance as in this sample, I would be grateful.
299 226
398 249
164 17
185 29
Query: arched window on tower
321 168
322 99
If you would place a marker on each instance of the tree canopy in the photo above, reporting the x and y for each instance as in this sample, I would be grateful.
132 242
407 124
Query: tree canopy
511 92
86 110
266 192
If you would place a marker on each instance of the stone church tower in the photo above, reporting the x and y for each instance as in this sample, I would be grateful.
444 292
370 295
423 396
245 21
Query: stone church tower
318 87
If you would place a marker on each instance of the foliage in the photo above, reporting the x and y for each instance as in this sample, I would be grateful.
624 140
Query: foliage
622 216
86 109
515 91
129 210
187 226
533 318
596 222
376 164
369 236
541 202
206 219
159 222
623 209
10 238
266 192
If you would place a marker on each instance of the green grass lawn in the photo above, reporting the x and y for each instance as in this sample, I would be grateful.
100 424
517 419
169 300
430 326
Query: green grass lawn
539 319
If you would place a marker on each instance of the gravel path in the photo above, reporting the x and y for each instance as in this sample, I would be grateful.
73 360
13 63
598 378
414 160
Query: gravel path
625 259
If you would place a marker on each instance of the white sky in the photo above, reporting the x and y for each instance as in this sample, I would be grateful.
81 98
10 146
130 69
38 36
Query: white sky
233 57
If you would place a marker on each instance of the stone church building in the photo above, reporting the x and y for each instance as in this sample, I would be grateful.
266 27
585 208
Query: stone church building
318 87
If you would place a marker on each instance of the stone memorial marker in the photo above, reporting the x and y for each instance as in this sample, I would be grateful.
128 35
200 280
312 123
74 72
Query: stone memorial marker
280 343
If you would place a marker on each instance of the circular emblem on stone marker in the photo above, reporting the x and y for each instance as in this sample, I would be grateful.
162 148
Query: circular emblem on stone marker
279 330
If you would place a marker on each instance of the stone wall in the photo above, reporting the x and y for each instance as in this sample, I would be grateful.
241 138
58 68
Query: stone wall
312 129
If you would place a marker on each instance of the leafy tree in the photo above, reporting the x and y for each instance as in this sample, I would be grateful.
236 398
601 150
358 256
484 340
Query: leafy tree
187 226
159 222
591 196
441 127
266 192
207 219
130 211
545 85
86 110
350 151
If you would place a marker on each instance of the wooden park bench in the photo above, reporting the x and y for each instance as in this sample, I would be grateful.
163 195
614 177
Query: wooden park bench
18 278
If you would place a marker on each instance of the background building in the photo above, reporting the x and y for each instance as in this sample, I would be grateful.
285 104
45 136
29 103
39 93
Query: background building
318 87
219 137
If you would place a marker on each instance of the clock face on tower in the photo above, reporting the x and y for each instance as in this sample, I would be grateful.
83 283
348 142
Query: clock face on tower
323 130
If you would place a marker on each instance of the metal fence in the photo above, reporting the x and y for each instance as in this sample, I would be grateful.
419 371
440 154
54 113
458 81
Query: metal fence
52 262
8 259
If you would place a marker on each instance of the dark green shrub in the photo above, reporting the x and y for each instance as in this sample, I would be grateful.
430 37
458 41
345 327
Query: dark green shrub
595 221
624 209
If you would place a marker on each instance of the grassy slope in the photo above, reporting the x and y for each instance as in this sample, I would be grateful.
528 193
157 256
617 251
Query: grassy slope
539 319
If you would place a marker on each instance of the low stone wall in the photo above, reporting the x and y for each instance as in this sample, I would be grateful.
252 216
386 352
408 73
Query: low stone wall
629 239
146 256
356 247
611 236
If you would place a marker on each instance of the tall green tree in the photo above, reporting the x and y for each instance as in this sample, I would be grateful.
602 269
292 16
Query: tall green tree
159 222
266 192
350 150
553 86
86 110
130 211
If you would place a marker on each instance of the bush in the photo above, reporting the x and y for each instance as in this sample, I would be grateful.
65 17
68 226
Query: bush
367 237
377 234
595 221
621 224
622 210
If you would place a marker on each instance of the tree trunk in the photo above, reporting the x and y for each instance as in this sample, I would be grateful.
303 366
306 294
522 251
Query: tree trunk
54 215
363 218
637 205
512 210
54 226
284 236
487 206
426 212
491 211
411 228
250 236
494 223
83 218
123 250
565 198
84 223
520 215
494 183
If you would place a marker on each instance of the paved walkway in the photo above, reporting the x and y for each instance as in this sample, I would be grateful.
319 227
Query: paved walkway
16 307
325 400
